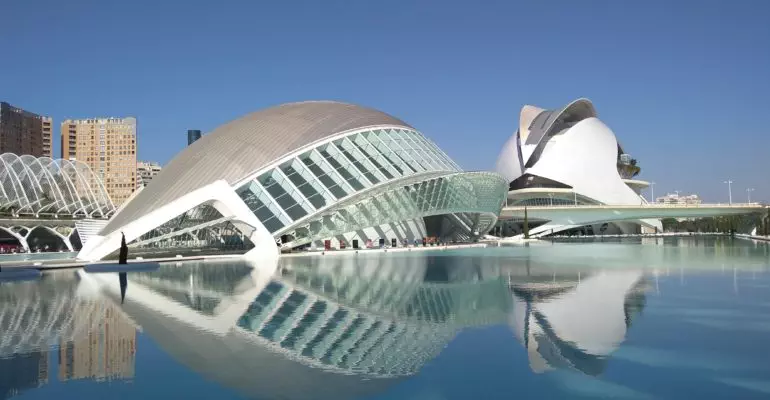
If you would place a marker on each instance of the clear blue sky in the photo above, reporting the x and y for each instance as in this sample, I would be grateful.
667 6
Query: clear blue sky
685 85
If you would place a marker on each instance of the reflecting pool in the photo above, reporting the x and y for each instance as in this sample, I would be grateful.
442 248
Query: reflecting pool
643 319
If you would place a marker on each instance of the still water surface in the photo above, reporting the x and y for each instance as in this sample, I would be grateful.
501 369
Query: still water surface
673 318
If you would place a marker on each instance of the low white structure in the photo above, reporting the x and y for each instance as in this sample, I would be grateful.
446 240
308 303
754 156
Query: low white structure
676 198
569 156
145 171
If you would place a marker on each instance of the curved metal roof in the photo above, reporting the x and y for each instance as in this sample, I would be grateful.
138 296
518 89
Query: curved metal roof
247 144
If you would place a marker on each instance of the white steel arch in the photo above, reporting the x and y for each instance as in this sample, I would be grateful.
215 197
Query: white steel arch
49 189
30 185
9 177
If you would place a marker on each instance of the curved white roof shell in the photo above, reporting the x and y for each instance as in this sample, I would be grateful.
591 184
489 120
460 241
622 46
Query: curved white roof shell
247 144
30 185
301 173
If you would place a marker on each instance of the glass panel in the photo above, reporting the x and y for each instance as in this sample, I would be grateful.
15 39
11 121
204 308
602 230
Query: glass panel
403 149
340 168
385 145
324 178
374 156
306 188
274 184
365 164
471 193
202 229
254 198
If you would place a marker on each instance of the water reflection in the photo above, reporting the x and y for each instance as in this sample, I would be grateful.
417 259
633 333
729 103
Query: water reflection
576 323
339 327
352 326
55 322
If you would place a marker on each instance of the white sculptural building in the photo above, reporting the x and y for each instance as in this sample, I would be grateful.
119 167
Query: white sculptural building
300 174
569 156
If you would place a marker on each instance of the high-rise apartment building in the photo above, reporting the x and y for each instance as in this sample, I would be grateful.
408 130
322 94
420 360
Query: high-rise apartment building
193 135
145 171
24 132
108 147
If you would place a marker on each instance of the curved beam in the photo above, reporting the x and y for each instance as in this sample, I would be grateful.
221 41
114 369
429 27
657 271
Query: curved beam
22 240
29 176
64 239
582 106
61 180
64 164
6 159
83 169
107 205
218 194
418 196
41 175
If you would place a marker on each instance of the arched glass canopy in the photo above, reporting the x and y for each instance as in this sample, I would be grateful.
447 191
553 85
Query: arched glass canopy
35 186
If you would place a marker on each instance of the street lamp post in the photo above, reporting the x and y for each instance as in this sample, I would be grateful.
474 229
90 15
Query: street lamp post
550 195
729 191
652 192
748 193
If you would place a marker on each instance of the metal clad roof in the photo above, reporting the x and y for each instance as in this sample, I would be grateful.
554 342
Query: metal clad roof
245 145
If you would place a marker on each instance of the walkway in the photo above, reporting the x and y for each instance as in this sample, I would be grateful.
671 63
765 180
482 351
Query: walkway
562 217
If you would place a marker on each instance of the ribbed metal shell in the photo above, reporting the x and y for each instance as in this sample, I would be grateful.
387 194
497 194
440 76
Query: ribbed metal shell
245 145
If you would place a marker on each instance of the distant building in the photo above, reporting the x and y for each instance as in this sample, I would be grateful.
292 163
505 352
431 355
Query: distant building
675 198
24 132
108 146
145 171
193 135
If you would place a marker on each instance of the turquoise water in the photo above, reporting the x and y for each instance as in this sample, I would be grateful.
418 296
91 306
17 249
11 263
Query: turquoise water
644 319
49 256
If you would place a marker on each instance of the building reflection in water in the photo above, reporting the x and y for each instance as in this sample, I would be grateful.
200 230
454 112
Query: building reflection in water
338 326
332 327
348 326
576 323
57 318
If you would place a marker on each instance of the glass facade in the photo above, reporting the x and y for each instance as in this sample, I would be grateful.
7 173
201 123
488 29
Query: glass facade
201 229
365 179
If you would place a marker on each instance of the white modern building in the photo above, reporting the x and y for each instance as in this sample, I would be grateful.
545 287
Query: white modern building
676 198
569 156
145 171
303 173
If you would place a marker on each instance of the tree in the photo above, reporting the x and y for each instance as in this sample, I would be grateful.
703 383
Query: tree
526 224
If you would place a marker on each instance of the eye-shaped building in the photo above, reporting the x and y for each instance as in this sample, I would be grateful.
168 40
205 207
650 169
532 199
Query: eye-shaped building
569 156
303 173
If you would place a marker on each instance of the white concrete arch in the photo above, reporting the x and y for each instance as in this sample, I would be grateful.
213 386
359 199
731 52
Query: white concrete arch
22 239
218 194
65 239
